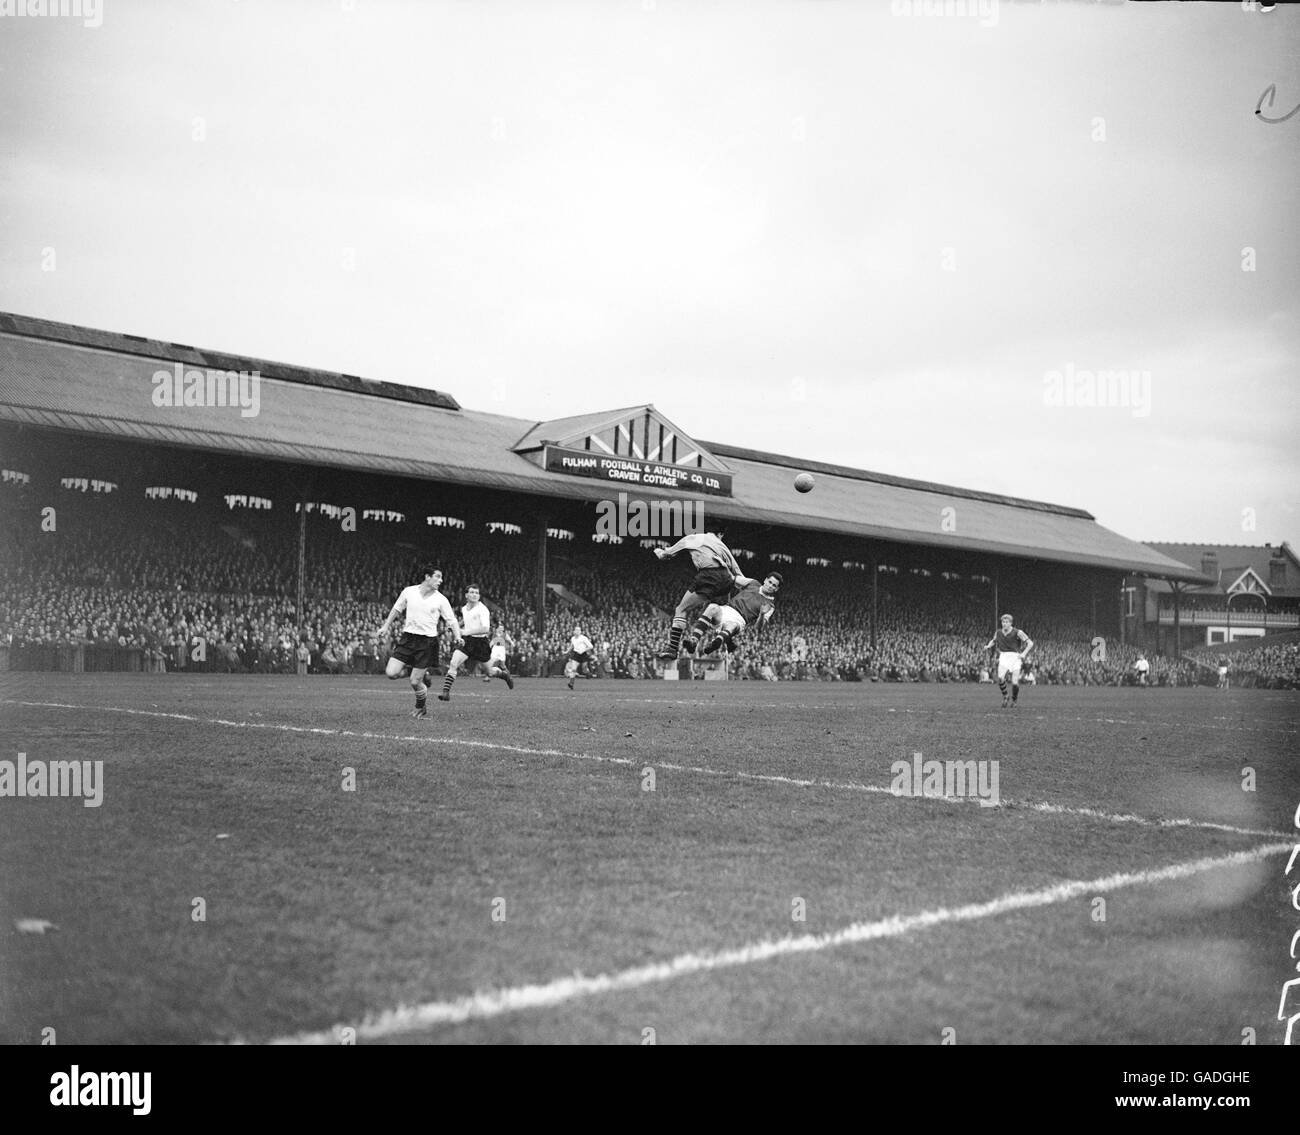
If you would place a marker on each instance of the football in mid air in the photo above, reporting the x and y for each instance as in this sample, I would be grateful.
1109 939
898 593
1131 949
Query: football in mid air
804 482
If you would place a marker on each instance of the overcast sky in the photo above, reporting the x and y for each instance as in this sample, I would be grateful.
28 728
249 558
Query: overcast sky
864 233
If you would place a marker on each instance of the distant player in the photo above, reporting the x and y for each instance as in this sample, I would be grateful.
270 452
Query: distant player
1142 668
501 644
475 647
1223 674
581 651
716 571
416 652
751 606
1012 646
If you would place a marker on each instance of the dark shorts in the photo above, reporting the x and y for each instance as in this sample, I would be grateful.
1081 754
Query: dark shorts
713 584
476 647
418 651
574 656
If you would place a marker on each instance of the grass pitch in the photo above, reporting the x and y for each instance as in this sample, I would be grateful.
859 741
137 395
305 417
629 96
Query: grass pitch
504 871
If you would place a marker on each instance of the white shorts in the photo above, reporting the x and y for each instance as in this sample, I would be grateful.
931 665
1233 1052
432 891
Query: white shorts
730 620
498 656
1008 664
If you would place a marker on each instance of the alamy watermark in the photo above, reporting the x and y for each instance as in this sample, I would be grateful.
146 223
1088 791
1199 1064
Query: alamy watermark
986 11
89 12
952 779
53 778
75 1088
208 388
658 519
1102 388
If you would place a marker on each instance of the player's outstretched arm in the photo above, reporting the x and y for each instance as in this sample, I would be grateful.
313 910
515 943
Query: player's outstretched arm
449 617
1027 646
685 544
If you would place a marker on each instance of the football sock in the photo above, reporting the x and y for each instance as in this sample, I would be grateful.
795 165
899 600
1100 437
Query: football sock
1015 692
446 683
1002 685
701 625
675 637
420 698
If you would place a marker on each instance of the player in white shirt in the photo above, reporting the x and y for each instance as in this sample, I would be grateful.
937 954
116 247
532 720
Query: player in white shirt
716 571
476 622
501 644
580 652
1143 668
416 652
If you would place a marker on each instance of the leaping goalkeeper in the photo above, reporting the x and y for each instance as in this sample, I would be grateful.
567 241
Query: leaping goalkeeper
716 572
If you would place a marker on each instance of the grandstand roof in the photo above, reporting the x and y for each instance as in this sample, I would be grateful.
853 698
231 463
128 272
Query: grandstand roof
62 377
1231 562
220 360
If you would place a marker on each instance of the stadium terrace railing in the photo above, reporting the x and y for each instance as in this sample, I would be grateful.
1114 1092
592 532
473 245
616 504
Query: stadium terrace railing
1240 617
75 658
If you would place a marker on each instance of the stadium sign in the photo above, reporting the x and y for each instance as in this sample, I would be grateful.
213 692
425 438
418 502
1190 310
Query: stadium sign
632 471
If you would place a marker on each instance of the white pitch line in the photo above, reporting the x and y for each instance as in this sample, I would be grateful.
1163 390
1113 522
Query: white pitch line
495 1003
697 770
928 711
316 730
858 705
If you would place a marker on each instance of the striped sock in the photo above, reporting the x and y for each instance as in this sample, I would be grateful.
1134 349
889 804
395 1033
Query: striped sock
675 637
446 683
420 697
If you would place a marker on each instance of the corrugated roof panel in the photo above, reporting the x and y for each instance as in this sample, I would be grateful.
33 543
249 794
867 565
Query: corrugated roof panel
113 342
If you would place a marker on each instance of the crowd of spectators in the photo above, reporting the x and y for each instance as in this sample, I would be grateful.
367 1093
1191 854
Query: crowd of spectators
1264 667
224 598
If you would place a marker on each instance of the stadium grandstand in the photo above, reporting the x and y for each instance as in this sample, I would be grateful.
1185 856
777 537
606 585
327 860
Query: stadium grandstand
175 508
1248 614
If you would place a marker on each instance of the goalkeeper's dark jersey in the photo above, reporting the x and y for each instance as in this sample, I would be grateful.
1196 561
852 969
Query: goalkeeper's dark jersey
751 602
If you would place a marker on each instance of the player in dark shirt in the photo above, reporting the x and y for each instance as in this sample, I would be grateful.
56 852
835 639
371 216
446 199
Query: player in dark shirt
1012 645
716 576
751 606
